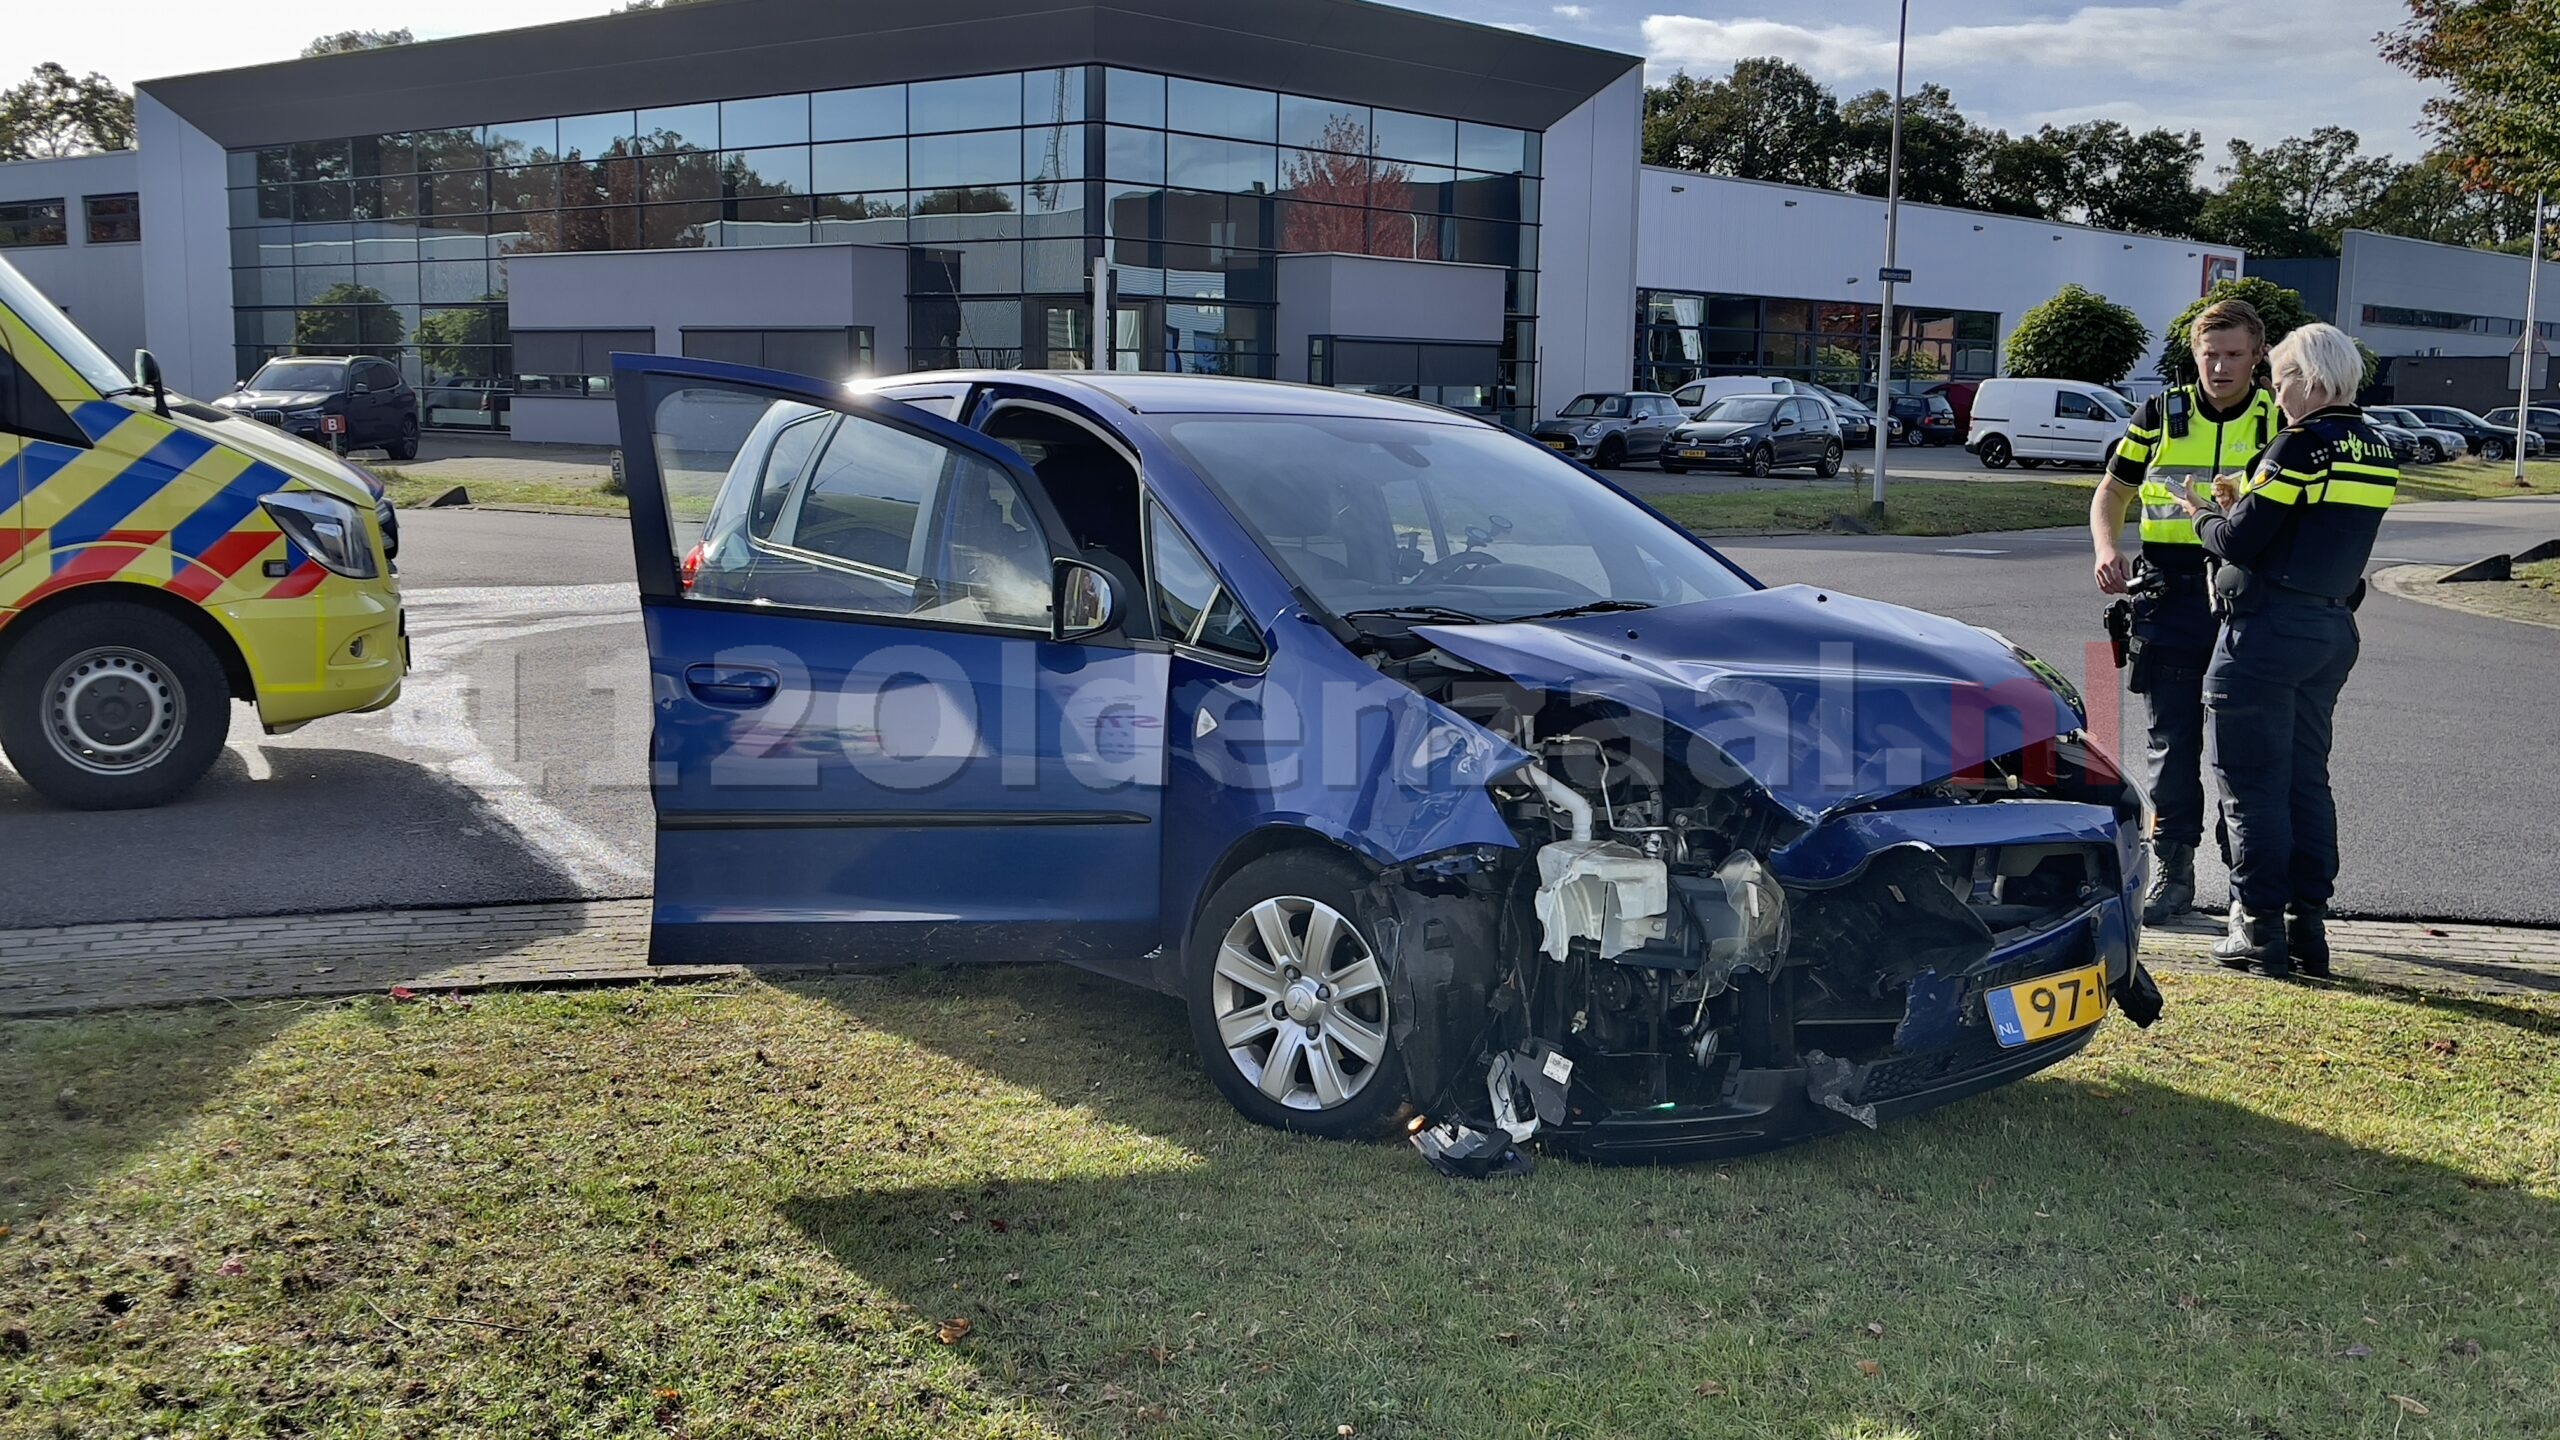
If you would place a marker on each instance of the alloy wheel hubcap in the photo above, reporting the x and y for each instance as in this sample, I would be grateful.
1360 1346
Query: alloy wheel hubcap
113 711
1301 1003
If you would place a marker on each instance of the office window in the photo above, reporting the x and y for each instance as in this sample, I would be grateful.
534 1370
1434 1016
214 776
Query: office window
574 362
29 223
113 219
826 352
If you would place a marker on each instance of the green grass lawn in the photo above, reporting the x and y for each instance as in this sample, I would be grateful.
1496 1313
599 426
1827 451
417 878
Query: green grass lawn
1006 1203
2478 480
1912 507
409 491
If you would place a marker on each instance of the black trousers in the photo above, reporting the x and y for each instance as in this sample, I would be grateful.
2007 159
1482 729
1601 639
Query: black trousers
2273 691
2177 632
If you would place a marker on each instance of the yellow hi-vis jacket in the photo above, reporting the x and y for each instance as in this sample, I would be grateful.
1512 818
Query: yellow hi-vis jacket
2209 448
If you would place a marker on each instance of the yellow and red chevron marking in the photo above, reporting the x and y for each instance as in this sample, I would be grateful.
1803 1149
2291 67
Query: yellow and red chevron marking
148 503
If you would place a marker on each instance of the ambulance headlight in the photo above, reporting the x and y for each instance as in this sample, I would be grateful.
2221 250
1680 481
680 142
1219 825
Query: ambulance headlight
328 528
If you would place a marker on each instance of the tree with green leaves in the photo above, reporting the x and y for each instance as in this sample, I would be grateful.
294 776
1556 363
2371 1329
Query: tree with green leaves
1768 120
53 113
2280 309
2499 63
348 42
1938 146
2297 196
2077 335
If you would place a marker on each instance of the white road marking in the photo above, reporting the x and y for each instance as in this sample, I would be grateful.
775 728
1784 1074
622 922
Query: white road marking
432 716
254 758
1959 550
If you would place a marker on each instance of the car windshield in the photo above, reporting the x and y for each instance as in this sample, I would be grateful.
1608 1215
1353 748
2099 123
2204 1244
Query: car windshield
300 375
56 330
2113 403
2449 415
1606 406
1376 514
1742 410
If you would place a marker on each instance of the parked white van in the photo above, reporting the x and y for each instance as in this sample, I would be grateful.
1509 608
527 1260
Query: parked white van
2033 421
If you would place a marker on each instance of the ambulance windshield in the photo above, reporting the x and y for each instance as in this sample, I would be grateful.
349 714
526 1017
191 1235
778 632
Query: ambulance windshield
55 329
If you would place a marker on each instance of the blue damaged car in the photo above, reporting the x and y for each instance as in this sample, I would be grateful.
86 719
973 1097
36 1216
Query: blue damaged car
1450 788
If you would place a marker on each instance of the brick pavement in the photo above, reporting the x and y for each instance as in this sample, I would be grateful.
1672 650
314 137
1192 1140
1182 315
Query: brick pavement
71 969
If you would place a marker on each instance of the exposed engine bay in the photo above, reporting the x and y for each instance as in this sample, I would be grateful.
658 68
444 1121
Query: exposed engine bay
1673 963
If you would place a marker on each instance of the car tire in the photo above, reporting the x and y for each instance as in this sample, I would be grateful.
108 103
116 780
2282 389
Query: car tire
1248 1005
405 445
112 706
1612 454
2493 449
2026 464
1829 465
1994 453
1762 461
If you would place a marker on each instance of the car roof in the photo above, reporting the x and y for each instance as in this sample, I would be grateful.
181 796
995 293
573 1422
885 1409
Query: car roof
1154 393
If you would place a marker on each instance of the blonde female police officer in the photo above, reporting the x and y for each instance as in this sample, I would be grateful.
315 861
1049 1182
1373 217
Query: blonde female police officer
2293 549
2193 433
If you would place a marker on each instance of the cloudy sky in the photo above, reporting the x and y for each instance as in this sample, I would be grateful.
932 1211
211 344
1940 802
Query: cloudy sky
2289 65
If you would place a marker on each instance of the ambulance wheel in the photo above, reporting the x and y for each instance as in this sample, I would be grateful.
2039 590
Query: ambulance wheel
406 446
112 706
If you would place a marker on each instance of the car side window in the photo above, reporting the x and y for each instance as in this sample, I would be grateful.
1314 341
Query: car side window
2072 405
777 502
1192 607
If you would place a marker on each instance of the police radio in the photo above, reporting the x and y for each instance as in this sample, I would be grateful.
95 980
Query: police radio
2174 412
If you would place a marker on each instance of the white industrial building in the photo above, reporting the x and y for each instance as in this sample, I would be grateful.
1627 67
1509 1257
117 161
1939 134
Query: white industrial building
1458 213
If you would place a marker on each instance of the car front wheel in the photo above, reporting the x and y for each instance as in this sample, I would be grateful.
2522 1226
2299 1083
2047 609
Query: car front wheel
111 706
1613 453
1762 462
2493 449
1289 1003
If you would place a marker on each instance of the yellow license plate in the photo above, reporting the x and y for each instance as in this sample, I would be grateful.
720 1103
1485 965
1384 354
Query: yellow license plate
2051 1005
1693 454
1559 444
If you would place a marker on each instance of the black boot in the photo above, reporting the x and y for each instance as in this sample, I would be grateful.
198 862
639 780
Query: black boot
2255 942
2173 884
2306 939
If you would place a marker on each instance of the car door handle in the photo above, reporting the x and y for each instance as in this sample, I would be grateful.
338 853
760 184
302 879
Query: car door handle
733 686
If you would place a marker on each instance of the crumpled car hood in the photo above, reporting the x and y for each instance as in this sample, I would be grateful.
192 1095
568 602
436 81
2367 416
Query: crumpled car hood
1825 700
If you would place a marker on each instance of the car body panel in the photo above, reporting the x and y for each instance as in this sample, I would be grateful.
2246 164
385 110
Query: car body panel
1825 700
1639 433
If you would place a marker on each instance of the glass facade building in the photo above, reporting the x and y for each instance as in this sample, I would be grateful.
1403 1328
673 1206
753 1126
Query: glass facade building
1682 335
1003 190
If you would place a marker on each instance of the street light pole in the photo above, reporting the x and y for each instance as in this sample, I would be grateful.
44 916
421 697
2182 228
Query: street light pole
2532 338
1892 232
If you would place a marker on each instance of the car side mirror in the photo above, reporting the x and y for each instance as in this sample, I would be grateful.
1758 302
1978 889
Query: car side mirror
146 375
1083 601
1783 423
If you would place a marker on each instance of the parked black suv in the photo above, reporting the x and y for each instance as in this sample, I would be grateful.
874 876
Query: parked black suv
299 394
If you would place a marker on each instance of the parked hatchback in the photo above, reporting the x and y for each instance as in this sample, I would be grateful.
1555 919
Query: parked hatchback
2541 421
1446 785
1610 429
2432 443
1923 420
1757 434
355 402
2480 437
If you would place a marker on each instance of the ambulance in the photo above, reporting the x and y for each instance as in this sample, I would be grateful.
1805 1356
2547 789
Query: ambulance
160 559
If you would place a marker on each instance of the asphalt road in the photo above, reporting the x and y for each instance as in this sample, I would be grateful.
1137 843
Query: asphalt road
512 768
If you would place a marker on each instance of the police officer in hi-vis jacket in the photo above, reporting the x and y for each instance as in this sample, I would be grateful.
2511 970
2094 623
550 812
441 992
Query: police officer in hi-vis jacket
2193 433
2292 549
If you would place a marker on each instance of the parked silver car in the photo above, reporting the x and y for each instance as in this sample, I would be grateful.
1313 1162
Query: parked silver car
1608 429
